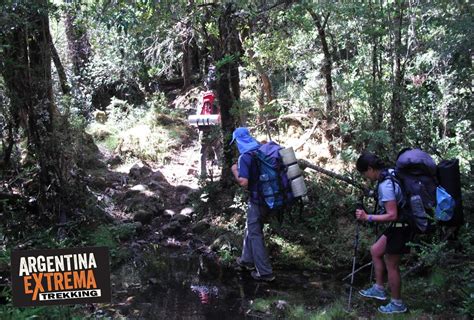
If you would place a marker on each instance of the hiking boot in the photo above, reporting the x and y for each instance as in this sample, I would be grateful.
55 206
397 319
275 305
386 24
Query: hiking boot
393 308
267 277
242 265
373 292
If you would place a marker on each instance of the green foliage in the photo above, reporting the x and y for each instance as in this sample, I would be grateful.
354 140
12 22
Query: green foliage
262 305
144 132
227 254
8 312
294 255
109 237
336 311
141 43
449 278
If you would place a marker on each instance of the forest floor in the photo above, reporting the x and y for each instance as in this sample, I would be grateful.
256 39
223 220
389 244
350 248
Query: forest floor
155 200
178 237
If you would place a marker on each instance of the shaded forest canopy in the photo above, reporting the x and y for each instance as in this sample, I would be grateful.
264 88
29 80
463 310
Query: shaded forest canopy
82 78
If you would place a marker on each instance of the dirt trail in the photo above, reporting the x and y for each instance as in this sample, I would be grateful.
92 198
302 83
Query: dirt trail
171 182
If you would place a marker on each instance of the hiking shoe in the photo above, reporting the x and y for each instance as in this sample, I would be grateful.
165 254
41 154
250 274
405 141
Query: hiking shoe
266 277
393 308
242 265
373 292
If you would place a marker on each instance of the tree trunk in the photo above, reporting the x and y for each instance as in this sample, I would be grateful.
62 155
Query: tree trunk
8 148
375 102
186 67
78 41
226 102
27 75
266 87
264 78
59 68
235 48
327 63
398 118
228 89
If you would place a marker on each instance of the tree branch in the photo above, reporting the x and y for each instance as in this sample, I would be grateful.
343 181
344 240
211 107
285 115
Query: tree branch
326 18
306 164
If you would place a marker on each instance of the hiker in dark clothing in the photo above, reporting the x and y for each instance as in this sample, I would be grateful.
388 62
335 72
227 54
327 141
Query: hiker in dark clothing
387 250
254 253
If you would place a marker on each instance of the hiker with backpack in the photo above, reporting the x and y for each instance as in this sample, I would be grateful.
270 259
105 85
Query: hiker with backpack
246 173
387 250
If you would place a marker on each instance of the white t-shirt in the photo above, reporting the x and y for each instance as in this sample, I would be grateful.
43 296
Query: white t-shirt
388 191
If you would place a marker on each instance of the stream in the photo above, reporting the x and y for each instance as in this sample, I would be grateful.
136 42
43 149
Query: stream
176 283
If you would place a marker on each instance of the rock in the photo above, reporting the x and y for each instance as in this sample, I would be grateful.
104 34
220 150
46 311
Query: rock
100 132
128 195
143 216
140 170
124 308
188 211
154 185
158 176
201 227
168 213
139 187
100 116
171 229
137 201
138 226
115 160
181 218
99 183
183 198
220 242
183 189
156 222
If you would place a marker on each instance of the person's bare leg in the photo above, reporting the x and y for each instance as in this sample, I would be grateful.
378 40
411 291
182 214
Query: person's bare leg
377 251
392 261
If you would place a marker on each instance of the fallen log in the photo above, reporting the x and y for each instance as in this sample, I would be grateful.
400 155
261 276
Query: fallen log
10 196
306 164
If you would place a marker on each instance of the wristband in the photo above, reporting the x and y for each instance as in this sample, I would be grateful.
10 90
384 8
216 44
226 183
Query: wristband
370 217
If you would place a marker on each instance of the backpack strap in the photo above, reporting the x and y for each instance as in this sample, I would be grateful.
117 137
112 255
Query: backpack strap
391 175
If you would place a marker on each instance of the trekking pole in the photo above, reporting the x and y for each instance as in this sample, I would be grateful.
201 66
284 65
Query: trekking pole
356 245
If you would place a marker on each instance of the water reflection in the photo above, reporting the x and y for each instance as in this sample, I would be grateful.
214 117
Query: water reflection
205 292
190 286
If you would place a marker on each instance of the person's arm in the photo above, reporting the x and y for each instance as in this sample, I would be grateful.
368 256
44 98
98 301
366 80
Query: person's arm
243 182
391 213
387 195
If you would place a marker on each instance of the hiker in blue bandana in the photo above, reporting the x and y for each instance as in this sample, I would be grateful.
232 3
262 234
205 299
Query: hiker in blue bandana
254 253
387 250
